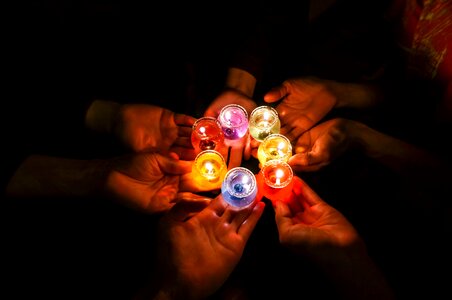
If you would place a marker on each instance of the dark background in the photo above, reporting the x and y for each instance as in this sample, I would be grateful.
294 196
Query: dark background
62 54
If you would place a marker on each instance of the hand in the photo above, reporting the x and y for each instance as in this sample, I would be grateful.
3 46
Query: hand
148 182
309 226
201 245
144 127
320 145
305 101
242 146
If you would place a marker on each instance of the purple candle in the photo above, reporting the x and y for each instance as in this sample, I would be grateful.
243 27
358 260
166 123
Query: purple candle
233 119
239 187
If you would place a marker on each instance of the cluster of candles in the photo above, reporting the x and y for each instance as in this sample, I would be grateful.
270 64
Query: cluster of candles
238 185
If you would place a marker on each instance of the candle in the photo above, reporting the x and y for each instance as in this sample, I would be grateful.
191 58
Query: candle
277 177
239 188
234 121
207 135
209 169
263 122
274 147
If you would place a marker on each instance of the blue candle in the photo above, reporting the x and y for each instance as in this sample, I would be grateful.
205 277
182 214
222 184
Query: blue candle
239 188
233 119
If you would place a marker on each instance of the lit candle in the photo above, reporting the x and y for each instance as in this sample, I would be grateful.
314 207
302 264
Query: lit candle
274 147
277 177
234 121
239 188
207 135
209 169
263 122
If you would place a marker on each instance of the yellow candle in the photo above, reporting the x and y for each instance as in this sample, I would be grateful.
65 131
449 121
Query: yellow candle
209 169
274 147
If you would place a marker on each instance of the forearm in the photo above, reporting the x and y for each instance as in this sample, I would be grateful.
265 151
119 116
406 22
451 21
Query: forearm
360 96
401 157
44 176
241 80
101 116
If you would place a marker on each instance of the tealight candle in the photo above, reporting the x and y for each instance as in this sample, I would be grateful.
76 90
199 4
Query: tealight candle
264 121
277 177
207 135
239 188
209 169
274 147
233 119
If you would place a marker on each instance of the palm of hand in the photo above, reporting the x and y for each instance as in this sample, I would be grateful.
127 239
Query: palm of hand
306 102
320 145
147 128
204 251
140 183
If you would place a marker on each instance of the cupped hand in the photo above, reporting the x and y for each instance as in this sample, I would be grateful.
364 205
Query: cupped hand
304 102
319 146
145 128
148 182
201 244
309 226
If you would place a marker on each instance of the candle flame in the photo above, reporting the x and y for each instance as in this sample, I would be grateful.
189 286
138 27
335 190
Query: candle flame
281 145
203 130
279 174
209 167
266 115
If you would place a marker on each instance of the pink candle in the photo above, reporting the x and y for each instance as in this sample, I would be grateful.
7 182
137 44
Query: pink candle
233 119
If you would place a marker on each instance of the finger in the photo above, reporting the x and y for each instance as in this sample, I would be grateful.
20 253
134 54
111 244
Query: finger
235 157
185 209
184 153
248 225
283 215
276 93
309 196
216 206
184 131
173 155
174 166
183 142
184 120
247 149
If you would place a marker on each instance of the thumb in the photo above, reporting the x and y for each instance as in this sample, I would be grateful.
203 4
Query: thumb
174 166
276 93
282 215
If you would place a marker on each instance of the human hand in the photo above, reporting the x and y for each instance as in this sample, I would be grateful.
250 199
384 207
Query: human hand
305 101
239 147
144 127
309 226
320 145
200 245
148 182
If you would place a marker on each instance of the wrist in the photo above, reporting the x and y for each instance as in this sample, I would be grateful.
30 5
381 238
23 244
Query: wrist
240 80
101 116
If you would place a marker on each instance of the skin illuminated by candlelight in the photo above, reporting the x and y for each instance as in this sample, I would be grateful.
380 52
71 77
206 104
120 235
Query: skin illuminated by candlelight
233 119
274 147
209 168
264 121
239 187
277 177
207 135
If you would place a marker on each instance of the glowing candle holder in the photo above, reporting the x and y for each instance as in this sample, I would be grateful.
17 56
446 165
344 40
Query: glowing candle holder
277 177
274 147
264 121
209 169
233 119
207 135
239 188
